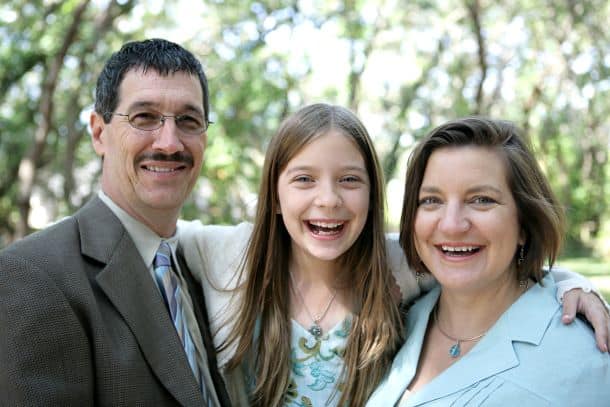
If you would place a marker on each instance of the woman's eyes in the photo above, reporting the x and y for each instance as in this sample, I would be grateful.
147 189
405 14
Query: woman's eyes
483 200
477 200
429 200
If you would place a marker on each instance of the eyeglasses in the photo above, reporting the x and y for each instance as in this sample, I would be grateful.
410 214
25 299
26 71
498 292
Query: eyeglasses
149 121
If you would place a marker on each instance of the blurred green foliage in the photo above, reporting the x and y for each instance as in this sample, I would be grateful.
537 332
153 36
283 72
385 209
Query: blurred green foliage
404 67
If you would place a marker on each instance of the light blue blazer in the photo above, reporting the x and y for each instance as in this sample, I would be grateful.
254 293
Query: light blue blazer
528 358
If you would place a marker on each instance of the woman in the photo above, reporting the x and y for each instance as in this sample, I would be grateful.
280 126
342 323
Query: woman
479 215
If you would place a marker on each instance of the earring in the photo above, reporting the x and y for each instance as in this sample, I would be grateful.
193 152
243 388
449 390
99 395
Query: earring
521 258
419 274
523 280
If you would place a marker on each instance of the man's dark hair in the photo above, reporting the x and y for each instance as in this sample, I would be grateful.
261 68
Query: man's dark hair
160 55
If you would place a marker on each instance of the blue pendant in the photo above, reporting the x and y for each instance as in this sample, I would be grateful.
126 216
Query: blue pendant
455 350
315 330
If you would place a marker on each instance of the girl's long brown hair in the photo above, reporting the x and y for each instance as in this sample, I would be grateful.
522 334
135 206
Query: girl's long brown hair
262 330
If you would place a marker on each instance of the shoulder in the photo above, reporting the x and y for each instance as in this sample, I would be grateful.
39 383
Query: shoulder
213 236
44 248
564 361
214 253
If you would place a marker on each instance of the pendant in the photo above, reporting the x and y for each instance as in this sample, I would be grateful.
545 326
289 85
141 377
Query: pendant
315 330
455 350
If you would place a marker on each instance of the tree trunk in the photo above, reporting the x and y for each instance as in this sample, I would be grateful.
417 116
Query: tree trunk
28 167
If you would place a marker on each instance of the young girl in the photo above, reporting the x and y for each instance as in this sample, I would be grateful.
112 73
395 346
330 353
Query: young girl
317 325
311 321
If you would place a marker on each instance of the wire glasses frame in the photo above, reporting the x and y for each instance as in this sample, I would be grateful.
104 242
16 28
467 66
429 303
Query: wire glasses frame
150 121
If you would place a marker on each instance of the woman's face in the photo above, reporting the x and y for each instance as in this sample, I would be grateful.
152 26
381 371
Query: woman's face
324 198
467 227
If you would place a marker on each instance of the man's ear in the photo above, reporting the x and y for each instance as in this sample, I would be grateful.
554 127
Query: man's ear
96 122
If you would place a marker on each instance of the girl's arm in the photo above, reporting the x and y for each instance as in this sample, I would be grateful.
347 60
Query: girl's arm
578 295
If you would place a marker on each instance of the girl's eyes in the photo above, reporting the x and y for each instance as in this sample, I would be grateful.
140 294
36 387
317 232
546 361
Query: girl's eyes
303 178
349 179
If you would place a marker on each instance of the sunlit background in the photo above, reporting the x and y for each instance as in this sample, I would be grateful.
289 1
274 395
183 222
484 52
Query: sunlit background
402 66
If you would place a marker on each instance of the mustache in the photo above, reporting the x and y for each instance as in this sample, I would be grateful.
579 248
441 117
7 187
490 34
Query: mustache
176 157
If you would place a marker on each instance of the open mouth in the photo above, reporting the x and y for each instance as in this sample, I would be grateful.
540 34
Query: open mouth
459 251
325 228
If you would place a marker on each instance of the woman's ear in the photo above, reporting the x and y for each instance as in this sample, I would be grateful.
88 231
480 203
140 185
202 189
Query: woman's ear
522 238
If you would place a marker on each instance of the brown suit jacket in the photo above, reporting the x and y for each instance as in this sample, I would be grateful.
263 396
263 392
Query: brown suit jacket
82 323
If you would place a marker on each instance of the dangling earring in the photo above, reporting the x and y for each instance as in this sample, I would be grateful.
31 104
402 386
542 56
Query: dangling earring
419 274
523 281
521 258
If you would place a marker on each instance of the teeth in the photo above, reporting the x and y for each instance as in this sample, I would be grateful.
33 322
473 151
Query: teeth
327 225
458 248
158 169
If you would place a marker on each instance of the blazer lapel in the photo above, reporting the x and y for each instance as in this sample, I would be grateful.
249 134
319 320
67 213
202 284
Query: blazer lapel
127 282
525 321
489 359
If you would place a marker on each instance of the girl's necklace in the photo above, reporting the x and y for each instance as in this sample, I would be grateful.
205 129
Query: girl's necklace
315 329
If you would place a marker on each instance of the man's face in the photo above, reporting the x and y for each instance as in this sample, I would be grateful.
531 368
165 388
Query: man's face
149 174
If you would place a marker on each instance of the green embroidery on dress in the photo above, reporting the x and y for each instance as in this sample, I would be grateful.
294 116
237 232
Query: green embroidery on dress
317 364
305 402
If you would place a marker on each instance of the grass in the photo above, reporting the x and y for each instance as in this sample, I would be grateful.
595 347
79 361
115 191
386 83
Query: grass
595 270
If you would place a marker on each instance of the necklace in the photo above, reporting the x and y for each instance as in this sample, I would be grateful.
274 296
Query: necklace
315 329
455 350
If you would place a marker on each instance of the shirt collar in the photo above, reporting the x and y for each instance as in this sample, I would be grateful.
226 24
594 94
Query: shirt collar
146 241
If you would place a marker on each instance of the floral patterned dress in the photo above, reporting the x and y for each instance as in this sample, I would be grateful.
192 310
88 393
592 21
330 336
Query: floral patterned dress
317 364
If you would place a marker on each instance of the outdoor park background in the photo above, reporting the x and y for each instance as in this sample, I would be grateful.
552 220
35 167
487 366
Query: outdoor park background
403 66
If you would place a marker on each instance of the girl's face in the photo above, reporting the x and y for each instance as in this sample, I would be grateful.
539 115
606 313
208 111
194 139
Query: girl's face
324 194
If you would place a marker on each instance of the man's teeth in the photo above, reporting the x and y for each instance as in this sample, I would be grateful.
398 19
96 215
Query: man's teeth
459 248
159 169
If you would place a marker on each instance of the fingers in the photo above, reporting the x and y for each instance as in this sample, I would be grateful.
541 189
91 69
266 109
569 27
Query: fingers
591 307
600 325
595 312
570 305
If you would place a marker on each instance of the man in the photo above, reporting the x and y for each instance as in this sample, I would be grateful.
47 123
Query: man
101 308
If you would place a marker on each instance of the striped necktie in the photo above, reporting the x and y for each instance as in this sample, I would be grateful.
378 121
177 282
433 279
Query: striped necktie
169 285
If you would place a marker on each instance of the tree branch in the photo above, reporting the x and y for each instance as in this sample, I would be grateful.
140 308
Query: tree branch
28 167
474 10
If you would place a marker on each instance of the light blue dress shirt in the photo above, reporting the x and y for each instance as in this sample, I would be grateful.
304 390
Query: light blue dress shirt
528 358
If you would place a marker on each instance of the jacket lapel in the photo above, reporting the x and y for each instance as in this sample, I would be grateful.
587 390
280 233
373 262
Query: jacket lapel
525 321
126 281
